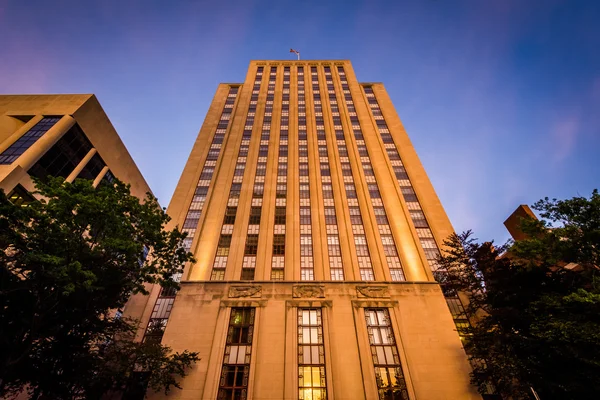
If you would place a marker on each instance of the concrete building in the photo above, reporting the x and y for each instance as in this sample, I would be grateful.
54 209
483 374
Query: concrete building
67 135
60 135
315 229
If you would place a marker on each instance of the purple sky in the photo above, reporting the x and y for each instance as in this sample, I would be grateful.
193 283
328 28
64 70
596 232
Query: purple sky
500 98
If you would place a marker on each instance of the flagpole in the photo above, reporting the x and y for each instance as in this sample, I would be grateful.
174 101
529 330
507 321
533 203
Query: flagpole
298 56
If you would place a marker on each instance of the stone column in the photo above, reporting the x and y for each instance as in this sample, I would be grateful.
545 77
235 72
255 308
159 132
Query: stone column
81 165
19 132
49 139
100 176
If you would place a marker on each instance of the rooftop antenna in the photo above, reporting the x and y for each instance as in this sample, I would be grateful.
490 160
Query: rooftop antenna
297 53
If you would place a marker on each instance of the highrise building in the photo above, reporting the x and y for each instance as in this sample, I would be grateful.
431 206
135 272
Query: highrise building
315 230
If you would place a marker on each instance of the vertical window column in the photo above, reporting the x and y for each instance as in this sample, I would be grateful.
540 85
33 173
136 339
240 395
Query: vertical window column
233 384
278 257
418 218
358 231
333 241
424 233
311 355
391 383
195 209
251 248
164 302
224 244
385 233
307 271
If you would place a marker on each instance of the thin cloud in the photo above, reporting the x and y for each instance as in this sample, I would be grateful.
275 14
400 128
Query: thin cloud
564 137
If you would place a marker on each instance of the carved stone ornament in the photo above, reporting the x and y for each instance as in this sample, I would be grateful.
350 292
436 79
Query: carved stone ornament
245 291
308 291
372 291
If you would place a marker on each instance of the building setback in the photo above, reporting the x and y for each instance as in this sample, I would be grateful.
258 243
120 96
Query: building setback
315 229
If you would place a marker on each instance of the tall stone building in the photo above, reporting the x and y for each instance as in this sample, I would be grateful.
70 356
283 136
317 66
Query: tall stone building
315 230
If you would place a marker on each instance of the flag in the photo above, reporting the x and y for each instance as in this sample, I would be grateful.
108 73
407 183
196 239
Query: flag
294 51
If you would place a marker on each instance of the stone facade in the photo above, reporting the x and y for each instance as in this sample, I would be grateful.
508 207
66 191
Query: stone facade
429 350
432 356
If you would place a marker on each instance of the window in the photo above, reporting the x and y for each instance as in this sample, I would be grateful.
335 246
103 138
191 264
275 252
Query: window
304 215
235 190
278 245
280 215
230 213
255 213
374 191
239 170
418 219
62 158
251 245
350 192
355 217
233 383
327 191
400 173
281 191
380 216
259 189
346 170
19 196
409 194
311 355
223 246
92 168
30 137
330 216
108 177
391 383
247 274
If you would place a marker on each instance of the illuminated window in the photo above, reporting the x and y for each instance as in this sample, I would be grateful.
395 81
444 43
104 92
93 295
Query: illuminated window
233 384
19 196
389 375
311 355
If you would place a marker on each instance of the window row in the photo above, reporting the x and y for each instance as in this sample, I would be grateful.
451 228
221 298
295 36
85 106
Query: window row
311 351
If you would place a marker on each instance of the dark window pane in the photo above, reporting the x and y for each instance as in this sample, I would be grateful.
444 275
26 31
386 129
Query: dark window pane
64 156
92 168
30 137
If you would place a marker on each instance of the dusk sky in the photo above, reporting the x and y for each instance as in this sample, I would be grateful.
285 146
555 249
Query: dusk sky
500 98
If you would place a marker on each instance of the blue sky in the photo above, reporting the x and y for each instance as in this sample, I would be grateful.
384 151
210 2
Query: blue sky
501 98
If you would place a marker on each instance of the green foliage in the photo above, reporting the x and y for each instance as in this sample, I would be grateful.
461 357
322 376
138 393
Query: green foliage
535 303
66 263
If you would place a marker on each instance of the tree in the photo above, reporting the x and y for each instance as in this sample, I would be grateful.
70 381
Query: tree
68 262
535 303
